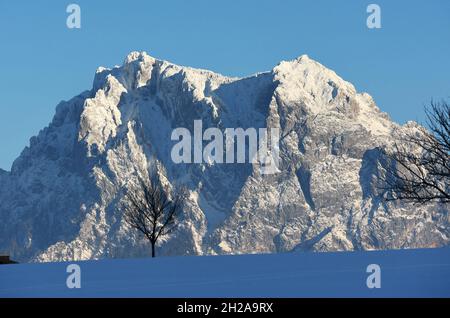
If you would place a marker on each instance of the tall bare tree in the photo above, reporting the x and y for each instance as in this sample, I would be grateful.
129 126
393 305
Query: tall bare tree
150 209
424 175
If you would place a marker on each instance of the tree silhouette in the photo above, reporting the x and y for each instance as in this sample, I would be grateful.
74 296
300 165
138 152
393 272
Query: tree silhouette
149 209
424 175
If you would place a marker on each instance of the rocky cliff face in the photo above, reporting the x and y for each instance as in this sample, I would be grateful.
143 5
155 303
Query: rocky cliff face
61 200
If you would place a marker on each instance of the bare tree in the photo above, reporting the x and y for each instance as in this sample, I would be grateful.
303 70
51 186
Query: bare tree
424 175
150 209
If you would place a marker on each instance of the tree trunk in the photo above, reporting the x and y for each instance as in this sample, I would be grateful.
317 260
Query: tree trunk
153 249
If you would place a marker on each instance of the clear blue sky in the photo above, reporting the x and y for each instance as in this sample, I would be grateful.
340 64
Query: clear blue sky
402 65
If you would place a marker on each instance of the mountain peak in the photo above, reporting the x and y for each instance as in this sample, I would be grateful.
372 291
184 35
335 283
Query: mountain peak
303 65
138 56
303 57
71 178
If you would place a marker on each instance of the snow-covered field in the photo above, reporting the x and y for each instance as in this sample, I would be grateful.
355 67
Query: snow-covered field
404 273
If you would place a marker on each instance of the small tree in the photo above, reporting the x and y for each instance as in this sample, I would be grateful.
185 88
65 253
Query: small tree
149 209
424 175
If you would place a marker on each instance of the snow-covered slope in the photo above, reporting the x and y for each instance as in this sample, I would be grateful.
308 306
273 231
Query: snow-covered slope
403 273
61 200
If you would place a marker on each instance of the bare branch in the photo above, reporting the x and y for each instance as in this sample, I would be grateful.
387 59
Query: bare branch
149 209
422 175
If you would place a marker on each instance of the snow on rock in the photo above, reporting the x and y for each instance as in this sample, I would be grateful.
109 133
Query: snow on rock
61 200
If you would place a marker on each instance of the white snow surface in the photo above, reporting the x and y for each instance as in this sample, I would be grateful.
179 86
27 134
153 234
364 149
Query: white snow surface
403 273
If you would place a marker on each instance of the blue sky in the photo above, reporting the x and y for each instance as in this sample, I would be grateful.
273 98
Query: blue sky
402 65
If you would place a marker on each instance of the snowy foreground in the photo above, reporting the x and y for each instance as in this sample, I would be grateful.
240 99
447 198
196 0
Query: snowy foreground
404 273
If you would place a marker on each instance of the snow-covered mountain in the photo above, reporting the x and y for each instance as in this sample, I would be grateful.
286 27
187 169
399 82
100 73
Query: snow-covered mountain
61 200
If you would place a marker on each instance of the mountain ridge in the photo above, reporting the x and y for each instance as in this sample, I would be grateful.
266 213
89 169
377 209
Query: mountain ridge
71 178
